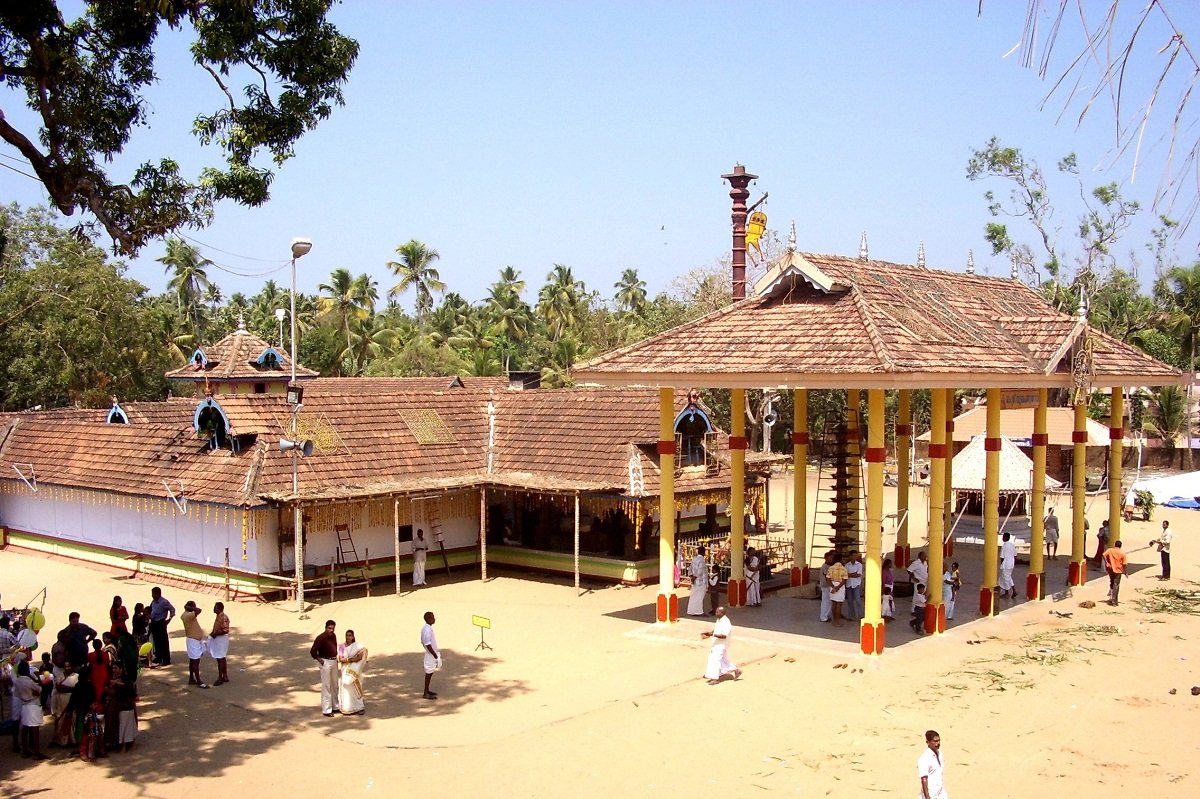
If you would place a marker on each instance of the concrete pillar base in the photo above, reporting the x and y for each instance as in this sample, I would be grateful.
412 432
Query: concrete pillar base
935 618
667 608
901 557
1035 587
987 600
800 576
737 593
871 637
948 548
1077 573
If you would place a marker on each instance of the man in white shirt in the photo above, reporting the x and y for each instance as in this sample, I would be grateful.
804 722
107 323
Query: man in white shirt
1008 562
433 655
1164 550
931 769
854 586
719 665
918 572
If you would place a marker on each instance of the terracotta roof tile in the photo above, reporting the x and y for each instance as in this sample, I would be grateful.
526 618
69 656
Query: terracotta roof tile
235 358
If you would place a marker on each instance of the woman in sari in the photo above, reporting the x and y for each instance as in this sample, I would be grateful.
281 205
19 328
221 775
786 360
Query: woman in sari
352 657
118 615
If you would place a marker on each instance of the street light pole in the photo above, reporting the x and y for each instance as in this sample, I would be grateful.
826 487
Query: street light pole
300 248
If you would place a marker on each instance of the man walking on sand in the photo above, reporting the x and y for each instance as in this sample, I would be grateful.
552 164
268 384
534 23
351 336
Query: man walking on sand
931 769
1114 564
1164 550
719 665
1008 562
325 650
1050 532
433 655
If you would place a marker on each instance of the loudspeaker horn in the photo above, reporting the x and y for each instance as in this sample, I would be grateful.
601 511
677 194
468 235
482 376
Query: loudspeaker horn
770 419
305 447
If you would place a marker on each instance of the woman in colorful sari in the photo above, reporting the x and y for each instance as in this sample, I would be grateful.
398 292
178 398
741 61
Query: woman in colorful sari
352 657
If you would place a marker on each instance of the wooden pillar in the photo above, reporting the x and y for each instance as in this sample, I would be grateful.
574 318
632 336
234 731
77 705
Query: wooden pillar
935 609
737 498
800 438
901 556
396 539
1035 581
1077 570
991 508
948 497
667 606
1116 449
483 534
871 630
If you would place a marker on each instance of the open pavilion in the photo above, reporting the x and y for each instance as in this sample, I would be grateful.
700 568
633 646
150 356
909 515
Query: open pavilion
857 324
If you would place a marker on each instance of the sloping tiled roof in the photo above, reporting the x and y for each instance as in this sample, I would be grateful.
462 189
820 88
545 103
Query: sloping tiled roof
338 384
1016 469
879 325
564 440
234 358
1017 423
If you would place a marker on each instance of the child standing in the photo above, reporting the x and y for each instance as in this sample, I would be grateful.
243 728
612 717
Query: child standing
918 610
889 605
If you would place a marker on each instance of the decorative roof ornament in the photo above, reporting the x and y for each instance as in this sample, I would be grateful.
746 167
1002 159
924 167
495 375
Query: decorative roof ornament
862 247
791 245
970 262
242 322
921 255
1083 304
1014 266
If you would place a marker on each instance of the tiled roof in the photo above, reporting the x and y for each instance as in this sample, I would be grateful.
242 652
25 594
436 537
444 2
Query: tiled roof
235 358
571 439
879 325
338 384
1017 423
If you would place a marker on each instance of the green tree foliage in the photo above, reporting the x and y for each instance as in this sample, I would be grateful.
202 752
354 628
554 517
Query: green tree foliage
415 270
85 80
189 282
73 329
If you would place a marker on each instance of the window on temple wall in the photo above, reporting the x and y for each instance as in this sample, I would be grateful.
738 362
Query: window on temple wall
210 422
260 388
692 426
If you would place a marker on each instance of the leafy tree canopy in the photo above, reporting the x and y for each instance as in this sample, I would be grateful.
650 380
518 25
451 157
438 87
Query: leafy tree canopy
85 80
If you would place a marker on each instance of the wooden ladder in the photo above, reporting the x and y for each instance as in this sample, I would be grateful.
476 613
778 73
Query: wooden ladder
347 556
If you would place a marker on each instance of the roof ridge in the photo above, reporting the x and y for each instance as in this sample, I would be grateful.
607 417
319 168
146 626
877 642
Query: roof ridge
873 335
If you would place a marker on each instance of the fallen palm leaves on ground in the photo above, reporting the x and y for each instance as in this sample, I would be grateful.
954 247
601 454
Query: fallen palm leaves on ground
1045 648
1170 600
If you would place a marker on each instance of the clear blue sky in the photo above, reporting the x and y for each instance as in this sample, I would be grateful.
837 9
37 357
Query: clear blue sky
595 134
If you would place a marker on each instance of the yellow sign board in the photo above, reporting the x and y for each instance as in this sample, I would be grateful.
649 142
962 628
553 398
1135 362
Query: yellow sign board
1014 398
481 622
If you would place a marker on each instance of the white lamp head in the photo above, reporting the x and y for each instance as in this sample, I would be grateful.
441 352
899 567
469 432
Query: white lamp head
301 247
280 314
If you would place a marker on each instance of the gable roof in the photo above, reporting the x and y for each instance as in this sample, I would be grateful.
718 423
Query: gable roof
1017 423
235 358
367 444
826 321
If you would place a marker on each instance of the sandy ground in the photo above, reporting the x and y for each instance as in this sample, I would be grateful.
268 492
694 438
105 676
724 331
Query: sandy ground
580 696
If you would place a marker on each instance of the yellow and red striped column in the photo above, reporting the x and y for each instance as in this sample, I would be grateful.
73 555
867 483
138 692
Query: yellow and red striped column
871 629
991 508
667 606
948 504
737 498
800 575
901 557
1035 581
1116 451
935 609
1077 570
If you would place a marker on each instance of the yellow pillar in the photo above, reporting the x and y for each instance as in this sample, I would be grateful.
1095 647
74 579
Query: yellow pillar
668 603
935 610
854 437
1077 571
948 503
991 508
737 498
1035 581
903 469
871 630
1116 450
800 486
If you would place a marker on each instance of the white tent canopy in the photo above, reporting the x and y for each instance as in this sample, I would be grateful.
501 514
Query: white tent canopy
1167 488
1016 469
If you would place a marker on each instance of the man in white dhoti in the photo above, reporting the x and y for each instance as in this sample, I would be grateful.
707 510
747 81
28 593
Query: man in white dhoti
753 578
698 571
432 654
1008 561
195 642
719 665
218 643
420 548
325 651
826 613
931 769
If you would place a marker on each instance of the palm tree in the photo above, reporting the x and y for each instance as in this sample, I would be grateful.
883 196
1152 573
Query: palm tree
176 342
370 339
416 272
189 281
558 301
631 292
1183 322
347 299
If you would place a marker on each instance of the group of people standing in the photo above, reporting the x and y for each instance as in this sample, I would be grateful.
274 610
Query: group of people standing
341 667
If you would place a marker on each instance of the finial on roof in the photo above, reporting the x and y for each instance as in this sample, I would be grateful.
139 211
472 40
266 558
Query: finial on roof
242 322
970 262
1083 303
1014 266
792 238
862 247
921 255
